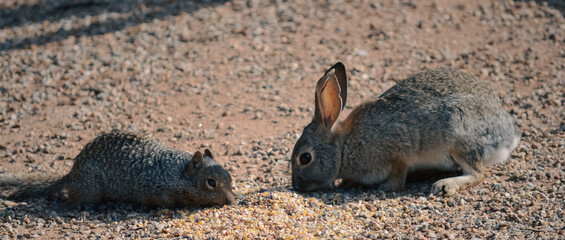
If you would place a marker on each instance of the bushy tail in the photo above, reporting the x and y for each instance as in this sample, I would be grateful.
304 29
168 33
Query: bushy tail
32 185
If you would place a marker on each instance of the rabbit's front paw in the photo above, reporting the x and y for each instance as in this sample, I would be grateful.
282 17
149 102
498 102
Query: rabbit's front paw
391 187
349 184
445 187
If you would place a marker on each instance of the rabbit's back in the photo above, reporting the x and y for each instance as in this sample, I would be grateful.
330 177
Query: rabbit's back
437 84
429 115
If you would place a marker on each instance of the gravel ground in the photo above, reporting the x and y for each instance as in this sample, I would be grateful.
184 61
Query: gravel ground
238 77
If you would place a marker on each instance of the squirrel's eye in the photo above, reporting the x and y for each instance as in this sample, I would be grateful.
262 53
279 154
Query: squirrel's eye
305 158
211 182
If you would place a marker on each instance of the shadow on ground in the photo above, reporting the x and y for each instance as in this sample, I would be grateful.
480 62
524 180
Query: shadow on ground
418 184
130 12
45 209
556 4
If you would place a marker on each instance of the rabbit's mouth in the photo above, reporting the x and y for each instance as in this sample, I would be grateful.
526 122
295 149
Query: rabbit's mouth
306 185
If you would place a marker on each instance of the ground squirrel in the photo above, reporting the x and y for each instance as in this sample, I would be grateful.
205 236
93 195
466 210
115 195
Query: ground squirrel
129 167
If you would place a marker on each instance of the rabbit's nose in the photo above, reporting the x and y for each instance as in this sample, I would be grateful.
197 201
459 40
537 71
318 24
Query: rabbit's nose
300 184
295 186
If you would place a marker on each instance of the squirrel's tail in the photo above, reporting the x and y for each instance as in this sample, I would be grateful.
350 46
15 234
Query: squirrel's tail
33 185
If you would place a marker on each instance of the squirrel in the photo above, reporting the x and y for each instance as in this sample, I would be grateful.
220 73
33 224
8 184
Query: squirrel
133 168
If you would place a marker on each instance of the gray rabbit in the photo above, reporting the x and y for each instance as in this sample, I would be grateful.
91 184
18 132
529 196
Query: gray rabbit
440 119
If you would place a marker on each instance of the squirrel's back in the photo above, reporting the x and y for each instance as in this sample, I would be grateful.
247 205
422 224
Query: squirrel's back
120 148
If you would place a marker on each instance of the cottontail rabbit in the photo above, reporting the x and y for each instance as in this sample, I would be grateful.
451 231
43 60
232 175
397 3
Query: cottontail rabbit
440 119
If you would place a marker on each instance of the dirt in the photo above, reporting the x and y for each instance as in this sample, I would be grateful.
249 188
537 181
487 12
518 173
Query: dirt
238 77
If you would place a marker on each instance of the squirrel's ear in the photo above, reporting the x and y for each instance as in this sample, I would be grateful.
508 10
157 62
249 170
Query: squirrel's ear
331 95
196 162
207 153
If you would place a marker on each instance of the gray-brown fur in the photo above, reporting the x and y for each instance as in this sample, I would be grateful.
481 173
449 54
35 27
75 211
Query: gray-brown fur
128 167
441 119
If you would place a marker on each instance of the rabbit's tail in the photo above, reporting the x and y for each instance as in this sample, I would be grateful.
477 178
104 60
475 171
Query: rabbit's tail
500 154
33 186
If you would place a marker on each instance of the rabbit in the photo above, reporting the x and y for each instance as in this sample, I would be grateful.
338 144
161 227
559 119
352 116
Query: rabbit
441 119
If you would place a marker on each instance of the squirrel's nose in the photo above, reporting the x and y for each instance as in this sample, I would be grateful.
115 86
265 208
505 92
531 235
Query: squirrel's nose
230 198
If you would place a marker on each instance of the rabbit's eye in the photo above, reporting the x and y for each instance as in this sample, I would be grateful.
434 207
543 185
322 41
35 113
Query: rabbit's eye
305 158
211 182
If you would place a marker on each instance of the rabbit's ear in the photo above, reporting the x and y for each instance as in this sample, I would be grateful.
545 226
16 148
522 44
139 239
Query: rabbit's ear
331 94
341 76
